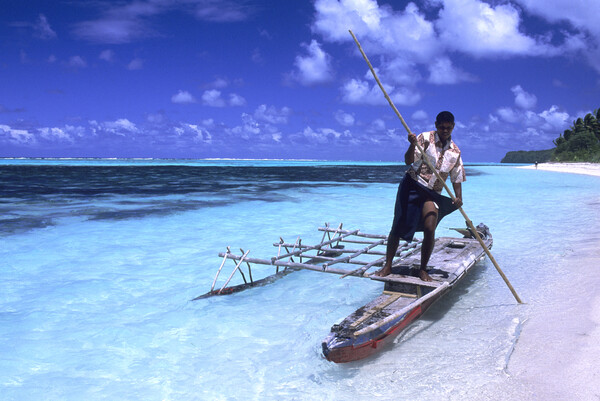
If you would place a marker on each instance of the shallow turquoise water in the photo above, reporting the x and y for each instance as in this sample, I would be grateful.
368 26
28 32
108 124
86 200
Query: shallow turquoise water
100 308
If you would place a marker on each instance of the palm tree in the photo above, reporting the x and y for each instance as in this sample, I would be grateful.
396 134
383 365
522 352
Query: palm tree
581 140
589 121
560 140
595 123
579 125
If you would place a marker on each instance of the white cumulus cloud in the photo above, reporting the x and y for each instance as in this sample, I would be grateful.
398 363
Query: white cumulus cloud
313 67
508 115
420 115
427 35
183 97
555 119
399 39
443 72
523 99
357 91
582 15
479 29
250 127
16 136
322 135
213 98
271 115
377 125
220 83
122 127
344 119
55 133
236 100
552 120
193 131
380 27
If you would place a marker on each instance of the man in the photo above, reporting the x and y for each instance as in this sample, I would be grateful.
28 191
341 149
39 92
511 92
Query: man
419 203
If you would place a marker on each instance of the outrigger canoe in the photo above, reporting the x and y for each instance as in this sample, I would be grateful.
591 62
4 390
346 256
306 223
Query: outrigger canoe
404 299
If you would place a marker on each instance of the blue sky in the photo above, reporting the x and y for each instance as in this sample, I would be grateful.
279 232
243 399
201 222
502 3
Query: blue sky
283 79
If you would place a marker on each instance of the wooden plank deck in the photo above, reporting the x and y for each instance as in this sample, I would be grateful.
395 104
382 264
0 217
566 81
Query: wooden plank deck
398 278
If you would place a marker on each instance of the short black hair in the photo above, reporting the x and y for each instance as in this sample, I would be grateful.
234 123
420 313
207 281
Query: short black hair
445 117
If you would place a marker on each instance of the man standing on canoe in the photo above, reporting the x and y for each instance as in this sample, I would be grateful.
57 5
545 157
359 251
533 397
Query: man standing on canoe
419 203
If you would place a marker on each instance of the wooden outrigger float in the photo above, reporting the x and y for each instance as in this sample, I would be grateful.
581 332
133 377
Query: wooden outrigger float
404 298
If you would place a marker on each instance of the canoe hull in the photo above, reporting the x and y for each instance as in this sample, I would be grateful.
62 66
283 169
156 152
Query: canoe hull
370 328
335 352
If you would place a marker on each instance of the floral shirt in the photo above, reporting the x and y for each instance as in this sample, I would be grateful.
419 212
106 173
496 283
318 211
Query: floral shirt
445 159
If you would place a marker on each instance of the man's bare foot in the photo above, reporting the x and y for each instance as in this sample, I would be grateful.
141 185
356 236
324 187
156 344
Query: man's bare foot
384 272
423 275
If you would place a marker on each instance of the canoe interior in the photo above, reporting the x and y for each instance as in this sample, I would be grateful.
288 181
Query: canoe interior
451 259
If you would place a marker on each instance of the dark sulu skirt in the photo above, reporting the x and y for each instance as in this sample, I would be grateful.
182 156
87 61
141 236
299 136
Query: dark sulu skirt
408 212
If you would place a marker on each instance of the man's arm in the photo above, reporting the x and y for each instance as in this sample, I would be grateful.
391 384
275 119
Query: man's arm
458 194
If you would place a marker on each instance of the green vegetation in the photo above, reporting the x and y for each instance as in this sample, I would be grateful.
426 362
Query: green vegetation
532 156
579 143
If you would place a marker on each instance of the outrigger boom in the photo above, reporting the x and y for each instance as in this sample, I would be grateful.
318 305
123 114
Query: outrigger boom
404 298
320 257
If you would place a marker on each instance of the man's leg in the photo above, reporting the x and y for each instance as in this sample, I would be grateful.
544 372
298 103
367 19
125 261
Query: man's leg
430 216
392 247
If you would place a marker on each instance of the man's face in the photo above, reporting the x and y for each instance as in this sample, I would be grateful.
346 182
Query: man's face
444 130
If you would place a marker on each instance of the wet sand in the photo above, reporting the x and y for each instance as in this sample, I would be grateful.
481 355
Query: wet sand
574 168
558 351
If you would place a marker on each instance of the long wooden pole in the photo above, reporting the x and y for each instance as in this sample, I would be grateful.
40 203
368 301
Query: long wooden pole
469 222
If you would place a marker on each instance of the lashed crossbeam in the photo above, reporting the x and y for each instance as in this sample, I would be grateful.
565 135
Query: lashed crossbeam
319 246
322 257
355 254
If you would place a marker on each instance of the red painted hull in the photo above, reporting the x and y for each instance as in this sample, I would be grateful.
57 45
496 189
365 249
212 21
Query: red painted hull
354 353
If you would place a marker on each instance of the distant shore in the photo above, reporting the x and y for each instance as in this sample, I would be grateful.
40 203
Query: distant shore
574 168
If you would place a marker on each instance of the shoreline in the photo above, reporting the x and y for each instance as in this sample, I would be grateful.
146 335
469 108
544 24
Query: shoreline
556 353
573 168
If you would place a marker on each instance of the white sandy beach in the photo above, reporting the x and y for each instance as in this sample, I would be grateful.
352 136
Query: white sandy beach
575 168
556 356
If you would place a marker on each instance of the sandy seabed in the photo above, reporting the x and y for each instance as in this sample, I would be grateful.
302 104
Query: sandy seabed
557 355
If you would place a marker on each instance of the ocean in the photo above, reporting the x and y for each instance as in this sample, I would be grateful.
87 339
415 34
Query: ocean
102 258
